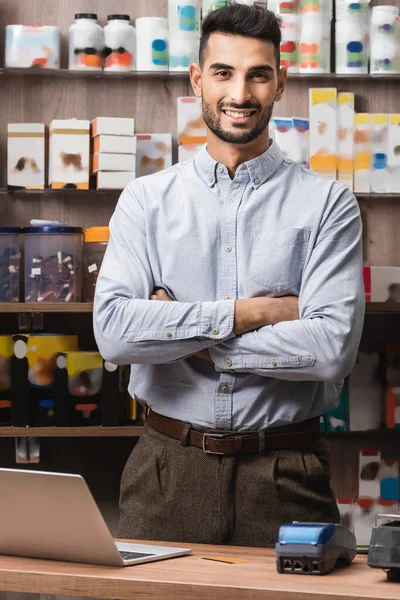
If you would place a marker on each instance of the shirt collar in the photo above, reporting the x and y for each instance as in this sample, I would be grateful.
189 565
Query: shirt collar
259 168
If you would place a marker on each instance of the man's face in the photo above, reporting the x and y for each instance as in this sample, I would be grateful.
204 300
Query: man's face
239 85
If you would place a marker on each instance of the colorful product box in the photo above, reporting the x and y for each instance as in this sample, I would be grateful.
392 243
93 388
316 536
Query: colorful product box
366 510
69 161
188 151
380 140
393 406
369 466
285 136
114 144
394 153
191 126
113 162
37 47
26 155
113 126
323 131
346 138
107 180
365 392
302 146
154 153
389 480
362 152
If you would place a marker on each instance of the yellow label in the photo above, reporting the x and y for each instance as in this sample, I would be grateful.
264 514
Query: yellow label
319 95
394 119
345 97
6 346
83 361
362 118
362 161
41 355
379 119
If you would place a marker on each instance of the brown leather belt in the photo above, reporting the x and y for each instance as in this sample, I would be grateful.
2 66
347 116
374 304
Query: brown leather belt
298 435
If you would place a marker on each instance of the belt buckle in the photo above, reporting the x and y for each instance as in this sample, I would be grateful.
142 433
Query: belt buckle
211 435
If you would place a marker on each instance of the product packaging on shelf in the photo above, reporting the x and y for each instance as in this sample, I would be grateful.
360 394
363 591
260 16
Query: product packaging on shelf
36 47
117 180
365 393
69 158
380 171
183 16
120 44
95 242
6 352
113 126
152 43
314 44
323 131
114 144
346 138
394 153
382 284
188 151
368 469
26 155
154 153
337 418
352 44
362 152
85 43
285 135
9 264
183 50
302 145
191 126
113 162
290 39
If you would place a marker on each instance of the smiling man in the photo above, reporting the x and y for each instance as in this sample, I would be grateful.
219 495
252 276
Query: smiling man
232 284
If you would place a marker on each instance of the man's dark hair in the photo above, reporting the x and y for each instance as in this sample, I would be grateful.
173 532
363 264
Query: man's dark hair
246 21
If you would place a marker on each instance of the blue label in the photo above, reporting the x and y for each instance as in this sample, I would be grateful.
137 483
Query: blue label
179 61
159 53
187 18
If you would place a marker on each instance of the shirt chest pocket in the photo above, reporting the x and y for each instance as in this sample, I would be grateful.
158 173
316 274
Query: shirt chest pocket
277 259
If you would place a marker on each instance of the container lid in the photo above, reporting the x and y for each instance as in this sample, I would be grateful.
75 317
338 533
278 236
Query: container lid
96 234
52 229
86 16
119 17
10 230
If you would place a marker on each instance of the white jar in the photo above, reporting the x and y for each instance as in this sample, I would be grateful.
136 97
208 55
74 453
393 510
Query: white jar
183 16
352 45
315 7
289 44
314 53
152 44
183 50
85 43
384 21
209 5
384 55
120 44
348 8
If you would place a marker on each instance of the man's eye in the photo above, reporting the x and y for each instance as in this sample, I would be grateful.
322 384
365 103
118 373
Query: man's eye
222 73
259 75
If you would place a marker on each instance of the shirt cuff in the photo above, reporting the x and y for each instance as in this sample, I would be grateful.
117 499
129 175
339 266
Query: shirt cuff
217 319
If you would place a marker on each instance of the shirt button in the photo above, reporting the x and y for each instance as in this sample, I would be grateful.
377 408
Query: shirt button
243 168
211 179
228 248
227 297
220 169
214 331
257 181
224 389
168 334
228 363
273 363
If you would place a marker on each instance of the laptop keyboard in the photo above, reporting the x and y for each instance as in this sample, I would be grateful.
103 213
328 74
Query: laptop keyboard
129 555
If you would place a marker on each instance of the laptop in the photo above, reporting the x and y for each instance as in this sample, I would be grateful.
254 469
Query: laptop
54 516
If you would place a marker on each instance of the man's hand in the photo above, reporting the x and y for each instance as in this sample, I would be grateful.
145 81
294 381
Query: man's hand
253 313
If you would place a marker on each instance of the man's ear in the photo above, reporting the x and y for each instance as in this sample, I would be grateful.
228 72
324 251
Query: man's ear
195 79
282 76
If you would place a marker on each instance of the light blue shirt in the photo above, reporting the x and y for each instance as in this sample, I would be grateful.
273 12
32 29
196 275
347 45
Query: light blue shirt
276 229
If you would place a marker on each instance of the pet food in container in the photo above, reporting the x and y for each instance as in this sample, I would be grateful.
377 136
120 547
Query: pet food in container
9 264
120 44
94 247
86 43
53 256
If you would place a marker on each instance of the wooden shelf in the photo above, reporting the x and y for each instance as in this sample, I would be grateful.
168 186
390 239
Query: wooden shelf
46 307
70 432
381 308
386 434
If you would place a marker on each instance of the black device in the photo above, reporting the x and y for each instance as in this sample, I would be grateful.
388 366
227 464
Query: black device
384 547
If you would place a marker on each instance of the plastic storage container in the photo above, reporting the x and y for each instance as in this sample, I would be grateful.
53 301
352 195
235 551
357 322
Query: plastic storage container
352 45
36 47
120 44
86 43
94 247
9 264
385 43
53 256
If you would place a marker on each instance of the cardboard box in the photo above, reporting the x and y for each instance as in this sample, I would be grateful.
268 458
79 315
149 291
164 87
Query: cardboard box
114 144
188 151
323 131
191 126
113 162
346 508
365 393
154 153
369 465
365 513
393 406
26 155
302 146
107 180
389 480
362 152
285 136
385 284
69 160
113 126
346 138
380 142
393 153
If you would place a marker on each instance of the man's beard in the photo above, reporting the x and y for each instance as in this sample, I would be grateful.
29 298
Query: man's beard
213 122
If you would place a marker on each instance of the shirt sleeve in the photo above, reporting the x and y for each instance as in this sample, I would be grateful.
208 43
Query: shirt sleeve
323 344
129 328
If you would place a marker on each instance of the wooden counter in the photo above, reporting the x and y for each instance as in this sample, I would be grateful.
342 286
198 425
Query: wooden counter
193 577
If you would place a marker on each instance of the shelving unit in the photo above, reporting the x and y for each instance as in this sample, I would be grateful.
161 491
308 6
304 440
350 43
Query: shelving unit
71 432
